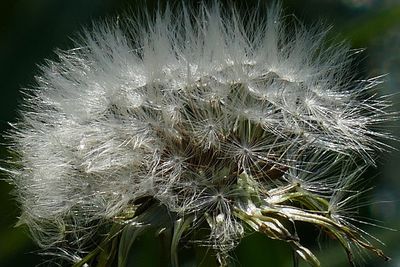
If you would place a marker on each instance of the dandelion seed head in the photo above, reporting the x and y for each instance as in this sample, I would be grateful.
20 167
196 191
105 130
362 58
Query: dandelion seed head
225 122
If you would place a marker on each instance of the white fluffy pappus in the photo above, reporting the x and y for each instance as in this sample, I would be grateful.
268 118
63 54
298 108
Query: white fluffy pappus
212 119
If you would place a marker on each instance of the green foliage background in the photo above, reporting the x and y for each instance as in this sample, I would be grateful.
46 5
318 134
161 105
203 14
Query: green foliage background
31 30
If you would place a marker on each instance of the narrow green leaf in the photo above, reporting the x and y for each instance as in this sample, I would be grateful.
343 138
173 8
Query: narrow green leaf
128 237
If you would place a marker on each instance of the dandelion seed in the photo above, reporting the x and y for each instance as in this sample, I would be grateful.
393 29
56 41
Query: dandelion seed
193 121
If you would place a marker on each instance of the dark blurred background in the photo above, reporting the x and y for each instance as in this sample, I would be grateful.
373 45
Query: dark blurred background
31 30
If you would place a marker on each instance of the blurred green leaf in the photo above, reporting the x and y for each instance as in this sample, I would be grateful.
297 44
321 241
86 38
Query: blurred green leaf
362 31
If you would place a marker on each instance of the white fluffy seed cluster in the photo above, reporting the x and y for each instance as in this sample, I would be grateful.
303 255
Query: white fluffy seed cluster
209 115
